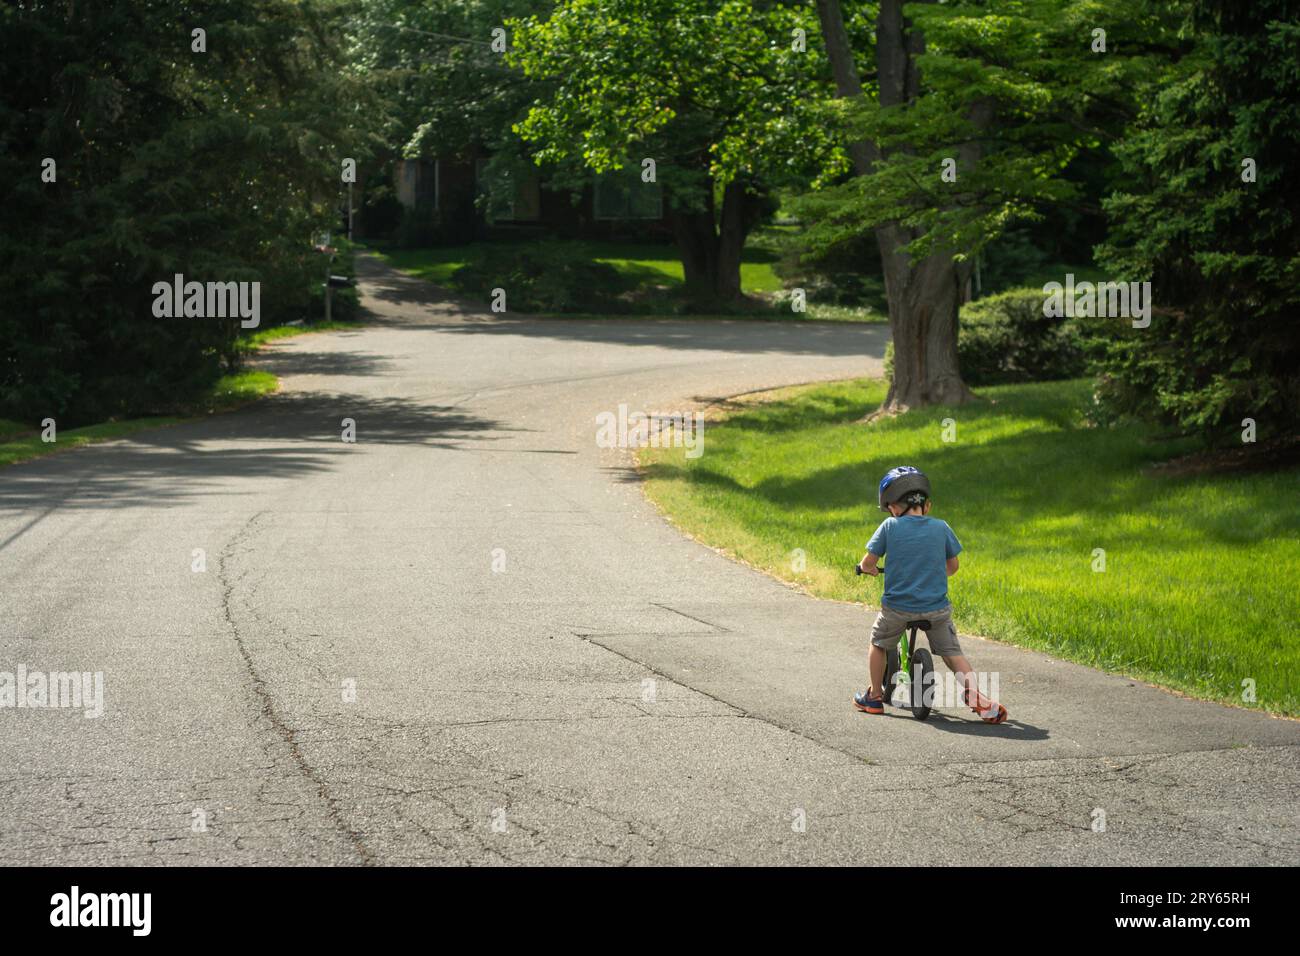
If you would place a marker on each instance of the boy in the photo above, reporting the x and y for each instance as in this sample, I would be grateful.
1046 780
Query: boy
922 556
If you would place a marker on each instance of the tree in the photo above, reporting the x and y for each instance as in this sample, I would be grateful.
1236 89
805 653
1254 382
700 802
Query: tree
1210 215
717 94
216 162
445 90
447 93
922 293
978 111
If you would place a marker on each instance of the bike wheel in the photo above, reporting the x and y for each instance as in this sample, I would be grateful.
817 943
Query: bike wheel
892 667
923 679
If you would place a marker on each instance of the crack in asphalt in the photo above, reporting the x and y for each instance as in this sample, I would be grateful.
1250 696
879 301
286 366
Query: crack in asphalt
1014 787
740 711
269 709
699 620
400 786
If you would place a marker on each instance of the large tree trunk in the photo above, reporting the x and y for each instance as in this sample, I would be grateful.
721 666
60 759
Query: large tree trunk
711 245
923 298
697 246
847 82
923 295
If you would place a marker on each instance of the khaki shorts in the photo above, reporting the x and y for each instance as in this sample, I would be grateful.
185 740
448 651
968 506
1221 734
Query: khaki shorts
891 624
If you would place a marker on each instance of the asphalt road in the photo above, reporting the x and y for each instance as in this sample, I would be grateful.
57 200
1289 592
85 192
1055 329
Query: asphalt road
467 638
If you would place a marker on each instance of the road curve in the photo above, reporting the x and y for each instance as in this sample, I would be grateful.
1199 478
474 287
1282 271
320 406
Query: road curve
467 638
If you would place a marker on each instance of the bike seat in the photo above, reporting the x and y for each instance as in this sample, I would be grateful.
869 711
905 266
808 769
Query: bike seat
922 625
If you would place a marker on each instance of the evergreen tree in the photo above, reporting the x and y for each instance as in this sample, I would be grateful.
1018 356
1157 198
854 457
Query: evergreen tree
215 156
1210 214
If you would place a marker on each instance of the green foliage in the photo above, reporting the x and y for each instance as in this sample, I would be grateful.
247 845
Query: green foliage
218 165
713 92
541 278
847 274
803 471
444 90
1005 338
1223 255
1019 81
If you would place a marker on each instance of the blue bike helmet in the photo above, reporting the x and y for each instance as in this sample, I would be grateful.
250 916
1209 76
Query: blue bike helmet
901 482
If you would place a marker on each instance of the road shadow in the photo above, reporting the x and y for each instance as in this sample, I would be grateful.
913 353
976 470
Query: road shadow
623 474
390 287
438 308
283 436
1007 730
282 362
704 335
971 726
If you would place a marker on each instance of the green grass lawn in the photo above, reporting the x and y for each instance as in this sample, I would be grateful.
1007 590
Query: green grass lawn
22 442
1198 591
19 442
432 263
27 444
645 263
252 341
643 266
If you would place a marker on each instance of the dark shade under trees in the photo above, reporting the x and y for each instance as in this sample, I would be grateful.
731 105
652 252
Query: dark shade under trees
1222 253
218 165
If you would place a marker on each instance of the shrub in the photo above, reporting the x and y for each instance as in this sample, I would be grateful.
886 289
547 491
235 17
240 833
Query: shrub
1006 338
541 279
1220 253
203 166
420 225
381 215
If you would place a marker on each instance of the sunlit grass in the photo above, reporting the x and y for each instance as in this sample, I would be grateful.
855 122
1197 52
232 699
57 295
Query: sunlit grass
433 264
650 269
252 341
1200 571
242 387
30 445
646 264
19 442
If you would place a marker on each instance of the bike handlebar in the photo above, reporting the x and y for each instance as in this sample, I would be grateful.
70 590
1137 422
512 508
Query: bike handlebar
857 569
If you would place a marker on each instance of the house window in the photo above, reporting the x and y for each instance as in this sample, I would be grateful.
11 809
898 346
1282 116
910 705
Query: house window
622 195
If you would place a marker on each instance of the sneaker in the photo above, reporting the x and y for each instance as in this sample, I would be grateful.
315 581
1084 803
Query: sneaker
991 713
868 704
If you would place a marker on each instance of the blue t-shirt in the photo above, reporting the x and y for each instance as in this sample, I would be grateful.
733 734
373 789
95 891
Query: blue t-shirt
916 575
